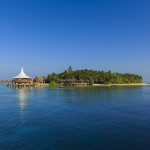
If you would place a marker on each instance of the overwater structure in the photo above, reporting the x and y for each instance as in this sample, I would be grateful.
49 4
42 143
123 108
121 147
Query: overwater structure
21 80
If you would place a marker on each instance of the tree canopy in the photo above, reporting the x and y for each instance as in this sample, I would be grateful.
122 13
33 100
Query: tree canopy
93 76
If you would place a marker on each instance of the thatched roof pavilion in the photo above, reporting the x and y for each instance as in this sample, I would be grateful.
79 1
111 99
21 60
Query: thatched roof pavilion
22 79
39 79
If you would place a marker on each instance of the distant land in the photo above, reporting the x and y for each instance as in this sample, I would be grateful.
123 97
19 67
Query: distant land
95 77
87 77
4 81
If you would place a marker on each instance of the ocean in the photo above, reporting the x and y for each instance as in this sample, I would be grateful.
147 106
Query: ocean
75 118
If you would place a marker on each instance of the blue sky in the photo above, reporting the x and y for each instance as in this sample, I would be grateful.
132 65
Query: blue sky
45 36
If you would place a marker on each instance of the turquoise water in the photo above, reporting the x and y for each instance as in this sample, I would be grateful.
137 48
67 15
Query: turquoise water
75 119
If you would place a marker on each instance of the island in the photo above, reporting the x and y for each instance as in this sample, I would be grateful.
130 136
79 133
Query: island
88 77
77 78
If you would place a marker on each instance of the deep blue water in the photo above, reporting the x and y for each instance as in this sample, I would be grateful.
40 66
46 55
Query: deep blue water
75 119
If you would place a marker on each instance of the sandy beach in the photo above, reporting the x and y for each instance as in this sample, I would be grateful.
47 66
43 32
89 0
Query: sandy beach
133 84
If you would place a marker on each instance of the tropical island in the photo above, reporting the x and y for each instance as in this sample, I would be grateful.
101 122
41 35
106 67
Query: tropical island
76 78
86 77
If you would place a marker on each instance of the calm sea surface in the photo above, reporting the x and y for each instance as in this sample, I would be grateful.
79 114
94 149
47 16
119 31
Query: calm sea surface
75 119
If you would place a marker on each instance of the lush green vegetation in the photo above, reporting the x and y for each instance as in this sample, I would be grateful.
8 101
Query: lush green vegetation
53 84
93 76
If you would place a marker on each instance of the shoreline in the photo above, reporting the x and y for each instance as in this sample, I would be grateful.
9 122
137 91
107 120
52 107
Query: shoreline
96 85
119 85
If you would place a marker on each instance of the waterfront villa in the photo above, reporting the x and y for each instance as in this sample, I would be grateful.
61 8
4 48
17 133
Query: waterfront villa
39 80
74 83
21 80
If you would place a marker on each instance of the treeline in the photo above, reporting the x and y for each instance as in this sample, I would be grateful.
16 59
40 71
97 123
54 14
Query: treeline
93 76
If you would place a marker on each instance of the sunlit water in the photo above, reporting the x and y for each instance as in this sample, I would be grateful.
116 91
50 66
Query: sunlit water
75 119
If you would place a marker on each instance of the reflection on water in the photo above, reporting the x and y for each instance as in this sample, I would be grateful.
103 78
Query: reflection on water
22 97
23 94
